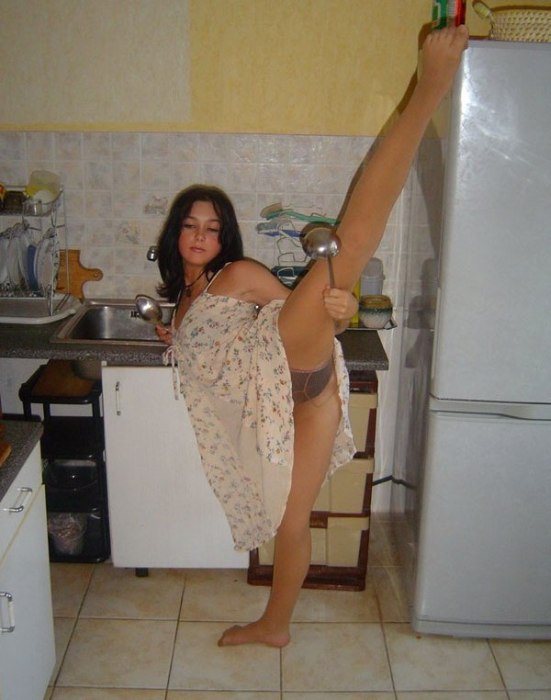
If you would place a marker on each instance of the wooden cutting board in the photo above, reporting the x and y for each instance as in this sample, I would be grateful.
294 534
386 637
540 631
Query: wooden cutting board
78 274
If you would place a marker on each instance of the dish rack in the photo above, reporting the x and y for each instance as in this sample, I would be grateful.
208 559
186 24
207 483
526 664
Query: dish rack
30 254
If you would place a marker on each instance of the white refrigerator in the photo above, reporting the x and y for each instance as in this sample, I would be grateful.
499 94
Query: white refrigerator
483 556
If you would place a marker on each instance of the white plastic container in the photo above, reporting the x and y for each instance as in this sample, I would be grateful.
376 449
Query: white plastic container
372 278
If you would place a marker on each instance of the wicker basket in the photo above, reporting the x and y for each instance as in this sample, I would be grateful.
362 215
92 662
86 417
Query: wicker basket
518 24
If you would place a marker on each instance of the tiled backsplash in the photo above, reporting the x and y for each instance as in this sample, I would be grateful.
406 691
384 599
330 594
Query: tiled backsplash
119 186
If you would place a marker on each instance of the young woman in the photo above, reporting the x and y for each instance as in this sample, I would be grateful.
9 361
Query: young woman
261 371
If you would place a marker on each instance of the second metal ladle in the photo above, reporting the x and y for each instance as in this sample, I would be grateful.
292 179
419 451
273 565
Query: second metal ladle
320 243
149 309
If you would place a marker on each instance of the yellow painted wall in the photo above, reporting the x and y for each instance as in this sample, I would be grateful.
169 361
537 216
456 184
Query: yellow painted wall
268 66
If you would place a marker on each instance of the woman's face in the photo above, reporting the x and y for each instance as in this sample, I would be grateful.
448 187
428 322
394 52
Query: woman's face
199 241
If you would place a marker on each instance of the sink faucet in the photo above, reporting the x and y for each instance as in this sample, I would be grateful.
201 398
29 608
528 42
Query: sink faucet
152 253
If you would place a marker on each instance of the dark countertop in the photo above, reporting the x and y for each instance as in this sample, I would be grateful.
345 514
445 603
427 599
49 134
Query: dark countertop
22 436
363 349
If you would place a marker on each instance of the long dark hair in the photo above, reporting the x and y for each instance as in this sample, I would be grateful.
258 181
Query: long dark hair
169 258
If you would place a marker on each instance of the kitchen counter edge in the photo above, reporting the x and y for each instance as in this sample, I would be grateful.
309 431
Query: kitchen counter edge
22 436
362 350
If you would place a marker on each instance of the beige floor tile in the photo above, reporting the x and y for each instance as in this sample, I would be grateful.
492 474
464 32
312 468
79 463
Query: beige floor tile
337 606
119 654
63 628
530 694
116 592
222 594
439 663
390 586
199 664
339 696
107 694
525 665
335 657
454 695
69 585
220 695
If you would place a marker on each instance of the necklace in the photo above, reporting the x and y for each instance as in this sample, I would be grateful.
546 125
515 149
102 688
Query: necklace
188 287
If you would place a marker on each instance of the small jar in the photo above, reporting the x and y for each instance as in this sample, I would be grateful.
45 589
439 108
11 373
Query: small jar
375 311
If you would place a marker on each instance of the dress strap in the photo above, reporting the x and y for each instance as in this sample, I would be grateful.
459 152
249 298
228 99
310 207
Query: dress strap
215 276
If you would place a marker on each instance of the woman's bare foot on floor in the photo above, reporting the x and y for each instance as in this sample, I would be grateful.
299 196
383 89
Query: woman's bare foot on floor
254 633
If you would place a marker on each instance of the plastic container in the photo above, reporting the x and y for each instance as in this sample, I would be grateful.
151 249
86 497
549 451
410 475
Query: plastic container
43 186
375 311
372 278
67 531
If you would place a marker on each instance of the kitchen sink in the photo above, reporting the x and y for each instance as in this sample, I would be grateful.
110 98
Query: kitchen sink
110 321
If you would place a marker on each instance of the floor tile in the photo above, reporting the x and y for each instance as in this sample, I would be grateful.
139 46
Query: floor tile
337 606
69 585
440 663
390 587
63 629
222 594
530 694
525 665
335 657
454 695
199 664
339 696
220 695
116 592
119 654
107 694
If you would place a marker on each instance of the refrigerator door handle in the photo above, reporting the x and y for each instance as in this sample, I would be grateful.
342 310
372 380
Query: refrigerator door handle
521 411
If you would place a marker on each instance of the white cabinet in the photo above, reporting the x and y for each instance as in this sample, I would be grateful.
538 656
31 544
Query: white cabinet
27 650
162 511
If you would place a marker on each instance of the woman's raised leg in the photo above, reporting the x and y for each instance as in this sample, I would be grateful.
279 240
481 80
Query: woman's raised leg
305 327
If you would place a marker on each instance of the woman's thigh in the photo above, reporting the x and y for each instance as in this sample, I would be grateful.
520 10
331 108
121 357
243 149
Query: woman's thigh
316 424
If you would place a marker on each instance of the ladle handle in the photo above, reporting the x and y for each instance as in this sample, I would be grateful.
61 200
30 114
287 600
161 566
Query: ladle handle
331 273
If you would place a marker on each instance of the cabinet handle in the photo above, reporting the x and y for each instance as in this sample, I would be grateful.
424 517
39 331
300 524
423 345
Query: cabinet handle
11 616
17 509
118 398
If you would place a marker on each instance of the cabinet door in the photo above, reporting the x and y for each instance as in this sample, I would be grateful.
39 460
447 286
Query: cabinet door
27 653
162 511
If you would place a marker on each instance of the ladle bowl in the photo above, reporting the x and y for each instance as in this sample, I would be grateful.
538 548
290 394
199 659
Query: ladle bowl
321 243
149 309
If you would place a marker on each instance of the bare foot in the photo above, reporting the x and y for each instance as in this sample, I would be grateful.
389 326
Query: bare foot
254 633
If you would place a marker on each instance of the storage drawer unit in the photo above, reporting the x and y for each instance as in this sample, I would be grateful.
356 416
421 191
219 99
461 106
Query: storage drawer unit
339 523
73 463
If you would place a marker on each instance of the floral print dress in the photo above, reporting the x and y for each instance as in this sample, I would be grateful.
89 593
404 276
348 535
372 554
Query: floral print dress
234 376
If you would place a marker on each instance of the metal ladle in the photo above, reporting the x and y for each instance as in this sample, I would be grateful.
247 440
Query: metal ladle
320 243
149 309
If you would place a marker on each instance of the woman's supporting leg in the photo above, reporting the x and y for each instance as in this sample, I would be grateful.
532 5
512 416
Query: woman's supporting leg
305 327
316 424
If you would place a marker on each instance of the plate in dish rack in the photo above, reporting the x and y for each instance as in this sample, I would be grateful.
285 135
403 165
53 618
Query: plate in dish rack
46 262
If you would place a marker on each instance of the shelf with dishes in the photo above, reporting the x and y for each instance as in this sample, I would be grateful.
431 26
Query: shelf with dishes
30 258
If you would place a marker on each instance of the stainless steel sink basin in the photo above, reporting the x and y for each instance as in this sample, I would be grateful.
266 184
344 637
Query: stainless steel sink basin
110 321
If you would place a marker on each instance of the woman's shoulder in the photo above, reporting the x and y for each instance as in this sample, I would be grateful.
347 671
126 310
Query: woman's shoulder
244 269
249 280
